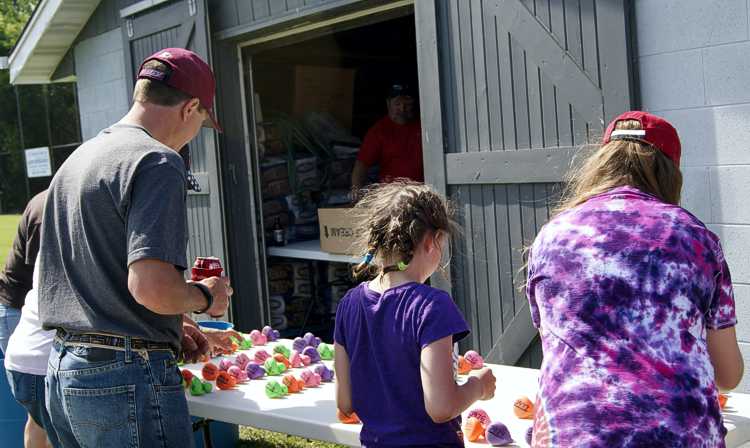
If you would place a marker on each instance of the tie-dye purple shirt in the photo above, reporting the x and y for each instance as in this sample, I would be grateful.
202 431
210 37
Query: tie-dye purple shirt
623 288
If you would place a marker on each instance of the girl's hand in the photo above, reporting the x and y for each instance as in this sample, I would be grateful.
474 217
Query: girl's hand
487 380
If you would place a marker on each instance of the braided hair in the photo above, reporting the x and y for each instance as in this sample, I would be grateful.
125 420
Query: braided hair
394 219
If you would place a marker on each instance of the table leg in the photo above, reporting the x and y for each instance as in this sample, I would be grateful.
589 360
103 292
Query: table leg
205 425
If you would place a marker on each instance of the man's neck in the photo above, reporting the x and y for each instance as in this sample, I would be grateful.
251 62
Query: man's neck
156 120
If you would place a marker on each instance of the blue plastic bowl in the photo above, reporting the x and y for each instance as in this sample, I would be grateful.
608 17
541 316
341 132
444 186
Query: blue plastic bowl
216 325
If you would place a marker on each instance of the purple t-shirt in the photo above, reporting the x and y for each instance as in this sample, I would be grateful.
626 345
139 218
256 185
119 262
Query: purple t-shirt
623 288
384 334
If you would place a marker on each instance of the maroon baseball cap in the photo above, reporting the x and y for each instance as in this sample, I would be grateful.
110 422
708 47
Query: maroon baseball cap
654 131
190 75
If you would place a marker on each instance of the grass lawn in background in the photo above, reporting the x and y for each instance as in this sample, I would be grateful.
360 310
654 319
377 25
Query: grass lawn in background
8 226
257 438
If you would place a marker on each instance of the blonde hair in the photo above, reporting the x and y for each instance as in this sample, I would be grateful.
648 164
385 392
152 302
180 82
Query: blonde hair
623 162
394 219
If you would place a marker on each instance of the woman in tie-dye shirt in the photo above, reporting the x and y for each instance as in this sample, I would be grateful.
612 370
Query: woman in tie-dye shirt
634 303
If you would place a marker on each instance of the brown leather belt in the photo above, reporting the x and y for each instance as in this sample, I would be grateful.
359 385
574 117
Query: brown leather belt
106 340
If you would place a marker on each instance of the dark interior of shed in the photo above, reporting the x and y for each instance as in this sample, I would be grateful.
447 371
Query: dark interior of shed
313 102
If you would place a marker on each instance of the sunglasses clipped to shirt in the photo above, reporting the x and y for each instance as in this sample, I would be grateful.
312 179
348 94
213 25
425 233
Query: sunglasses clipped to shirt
192 182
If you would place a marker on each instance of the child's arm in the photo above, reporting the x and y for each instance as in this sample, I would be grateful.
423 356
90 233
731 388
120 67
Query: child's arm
343 383
726 358
443 398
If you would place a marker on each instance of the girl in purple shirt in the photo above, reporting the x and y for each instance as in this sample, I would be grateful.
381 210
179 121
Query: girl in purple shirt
633 300
394 335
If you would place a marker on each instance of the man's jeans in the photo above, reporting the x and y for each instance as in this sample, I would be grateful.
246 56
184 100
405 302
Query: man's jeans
9 318
28 390
104 397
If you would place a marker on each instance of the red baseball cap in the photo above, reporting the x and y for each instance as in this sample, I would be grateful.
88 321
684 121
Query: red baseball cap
654 131
190 75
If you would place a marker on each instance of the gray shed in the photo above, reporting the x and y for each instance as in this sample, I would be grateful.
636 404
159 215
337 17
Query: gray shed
508 90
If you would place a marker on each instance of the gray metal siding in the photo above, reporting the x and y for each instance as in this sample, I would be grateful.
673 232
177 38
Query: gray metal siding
522 86
499 221
106 17
514 89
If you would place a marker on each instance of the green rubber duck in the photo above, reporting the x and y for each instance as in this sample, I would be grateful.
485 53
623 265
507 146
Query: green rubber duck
273 367
283 350
274 389
325 351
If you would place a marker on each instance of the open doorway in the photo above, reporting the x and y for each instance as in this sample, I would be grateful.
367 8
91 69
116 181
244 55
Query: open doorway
312 100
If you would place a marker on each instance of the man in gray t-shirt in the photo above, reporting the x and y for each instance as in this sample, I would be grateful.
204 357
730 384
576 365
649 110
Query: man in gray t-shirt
114 239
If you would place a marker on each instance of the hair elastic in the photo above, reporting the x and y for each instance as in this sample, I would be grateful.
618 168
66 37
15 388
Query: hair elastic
368 258
401 266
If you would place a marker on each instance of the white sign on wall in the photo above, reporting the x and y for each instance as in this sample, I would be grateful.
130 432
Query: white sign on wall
38 162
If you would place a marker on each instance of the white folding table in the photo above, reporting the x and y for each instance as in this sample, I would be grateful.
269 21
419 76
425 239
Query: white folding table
312 413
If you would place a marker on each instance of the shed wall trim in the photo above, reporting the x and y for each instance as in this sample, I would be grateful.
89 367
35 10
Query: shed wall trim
251 27
310 26
139 7
433 144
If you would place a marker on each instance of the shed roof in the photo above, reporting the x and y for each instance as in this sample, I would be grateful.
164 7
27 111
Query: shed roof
46 39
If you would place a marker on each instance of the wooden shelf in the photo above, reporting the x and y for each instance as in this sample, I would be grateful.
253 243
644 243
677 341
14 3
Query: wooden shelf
309 250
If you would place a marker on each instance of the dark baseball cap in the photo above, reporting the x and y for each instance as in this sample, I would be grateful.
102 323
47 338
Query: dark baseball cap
189 74
654 131
399 89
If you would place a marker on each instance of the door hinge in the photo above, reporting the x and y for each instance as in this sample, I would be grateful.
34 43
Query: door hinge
129 27
192 7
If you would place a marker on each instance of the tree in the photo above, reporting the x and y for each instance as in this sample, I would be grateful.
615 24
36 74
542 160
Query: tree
13 17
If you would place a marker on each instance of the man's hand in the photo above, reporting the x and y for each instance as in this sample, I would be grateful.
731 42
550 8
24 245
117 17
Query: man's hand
194 343
221 342
221 290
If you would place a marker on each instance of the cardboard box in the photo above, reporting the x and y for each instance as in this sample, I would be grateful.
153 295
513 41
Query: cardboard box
324 89
280 287
302 271
277 188
280 271
337 231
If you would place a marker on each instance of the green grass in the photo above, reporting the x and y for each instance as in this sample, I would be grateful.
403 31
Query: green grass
8 226
257 438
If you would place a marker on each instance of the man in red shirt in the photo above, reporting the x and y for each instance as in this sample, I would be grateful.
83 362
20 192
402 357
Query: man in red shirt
394 143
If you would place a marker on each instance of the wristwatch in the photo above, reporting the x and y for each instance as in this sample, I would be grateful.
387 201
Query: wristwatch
207 293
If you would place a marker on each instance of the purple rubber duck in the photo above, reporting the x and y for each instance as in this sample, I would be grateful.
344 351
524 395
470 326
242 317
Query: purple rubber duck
312 353
271 334
326 374
311 340
255 371
299 344
497 434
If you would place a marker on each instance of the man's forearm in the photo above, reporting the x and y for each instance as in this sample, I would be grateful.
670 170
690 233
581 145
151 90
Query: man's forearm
359 175
161 289
185 298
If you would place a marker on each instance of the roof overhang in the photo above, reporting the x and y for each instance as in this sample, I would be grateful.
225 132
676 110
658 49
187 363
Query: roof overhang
46 39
